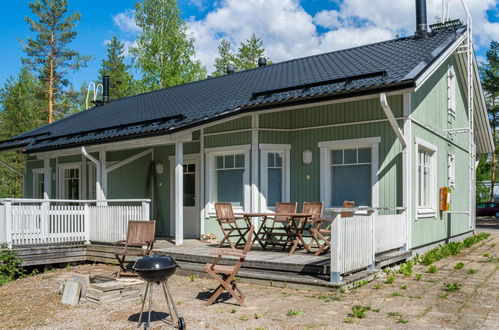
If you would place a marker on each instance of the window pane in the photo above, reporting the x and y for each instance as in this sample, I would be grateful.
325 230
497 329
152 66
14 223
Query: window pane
350 156
219 161
229 161
189 189
274 186
365 155
352 183
191 168
278 160
337 157
230 186
270 159
240 161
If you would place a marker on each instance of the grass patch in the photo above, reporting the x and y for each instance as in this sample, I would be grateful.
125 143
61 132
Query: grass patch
390 279
393 314
406 268
432 269
402 320
361 283
286 293
418 277
359 311
193 277
377 286
459 265
452 287
403 287
349 320
415 297
451 248
294 312
395 294
326 298
471 271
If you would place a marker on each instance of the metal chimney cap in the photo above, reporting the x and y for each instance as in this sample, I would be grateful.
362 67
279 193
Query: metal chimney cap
262 61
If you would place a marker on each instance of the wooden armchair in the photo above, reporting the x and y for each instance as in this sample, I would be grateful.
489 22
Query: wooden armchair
278 235
140 234
229 225
226 274
322 231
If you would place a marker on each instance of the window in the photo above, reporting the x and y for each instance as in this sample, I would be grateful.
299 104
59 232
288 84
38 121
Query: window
69 181
451 91
228 180
189 185
426 179
38 183
275 174
349 171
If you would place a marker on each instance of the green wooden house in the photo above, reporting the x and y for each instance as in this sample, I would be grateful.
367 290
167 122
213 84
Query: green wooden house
385 125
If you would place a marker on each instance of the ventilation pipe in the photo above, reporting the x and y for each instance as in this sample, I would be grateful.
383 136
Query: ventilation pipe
105 89
421 19
230 69
262 61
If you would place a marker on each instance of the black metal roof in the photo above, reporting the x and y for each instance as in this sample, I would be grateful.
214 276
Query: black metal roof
387 65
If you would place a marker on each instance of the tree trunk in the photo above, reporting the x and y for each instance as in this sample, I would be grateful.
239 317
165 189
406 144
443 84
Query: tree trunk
51 79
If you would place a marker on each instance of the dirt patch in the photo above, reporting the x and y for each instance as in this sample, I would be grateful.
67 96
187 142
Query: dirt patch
418 301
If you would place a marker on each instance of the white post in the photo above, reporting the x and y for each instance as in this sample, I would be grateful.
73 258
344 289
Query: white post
254 168
8 223
145 211
407 172
335 276
179 193
47 179
103 176
86 221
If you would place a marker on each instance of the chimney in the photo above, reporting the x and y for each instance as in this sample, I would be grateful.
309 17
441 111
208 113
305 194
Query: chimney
262 61
421 19
230 69
105 89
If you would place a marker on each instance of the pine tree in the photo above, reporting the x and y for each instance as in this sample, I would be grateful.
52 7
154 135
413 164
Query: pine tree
121 81
489 72
224 59
20 112
165 51
48 53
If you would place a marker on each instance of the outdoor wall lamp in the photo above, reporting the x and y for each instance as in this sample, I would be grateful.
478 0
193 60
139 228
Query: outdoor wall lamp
160 168
307 156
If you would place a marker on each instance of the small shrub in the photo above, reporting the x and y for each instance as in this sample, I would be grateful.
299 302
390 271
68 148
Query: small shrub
459 265
402 320
471 271
294 312
359 311
10 265
432 269
233 310
193 277
377 286
406 268
390 279
418 277
349 320
452 287
486 255
256 316
362 283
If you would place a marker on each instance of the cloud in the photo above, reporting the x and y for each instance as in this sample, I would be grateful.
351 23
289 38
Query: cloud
125 21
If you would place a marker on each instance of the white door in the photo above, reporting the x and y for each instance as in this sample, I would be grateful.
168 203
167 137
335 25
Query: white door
191 199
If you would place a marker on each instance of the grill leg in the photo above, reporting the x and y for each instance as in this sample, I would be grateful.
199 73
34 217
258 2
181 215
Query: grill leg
168 303
150 305
143 303
171 299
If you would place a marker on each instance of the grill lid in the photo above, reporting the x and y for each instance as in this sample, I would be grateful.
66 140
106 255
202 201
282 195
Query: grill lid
156 262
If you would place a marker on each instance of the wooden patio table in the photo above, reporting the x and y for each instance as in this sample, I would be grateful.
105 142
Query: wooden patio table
296 225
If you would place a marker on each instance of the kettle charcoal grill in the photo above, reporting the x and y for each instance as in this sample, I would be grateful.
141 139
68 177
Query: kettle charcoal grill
157 269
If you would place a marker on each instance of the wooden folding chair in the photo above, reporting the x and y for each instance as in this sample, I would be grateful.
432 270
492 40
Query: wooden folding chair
278 233
229 226
140 234
322 235
315 209
226 274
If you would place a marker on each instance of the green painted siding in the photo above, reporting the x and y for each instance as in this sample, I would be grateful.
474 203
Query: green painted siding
231 125
30 166
229 139
429 106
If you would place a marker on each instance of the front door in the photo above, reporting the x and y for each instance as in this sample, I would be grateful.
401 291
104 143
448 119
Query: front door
191 199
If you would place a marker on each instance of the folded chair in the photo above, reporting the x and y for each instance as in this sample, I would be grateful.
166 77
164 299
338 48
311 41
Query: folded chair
226 274
140 234
275 230
229 225
322 231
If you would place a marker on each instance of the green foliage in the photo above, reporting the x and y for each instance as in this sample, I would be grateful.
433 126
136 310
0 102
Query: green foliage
406 268
432 269
10 265
246 57
395 294
377 285
403 287
256 316
402 320
390 279
49 54
192 278
452 287
451 248
294 312
326 298
393 314
165 51
361 283
418 277
459 265
471 271
359 311
349 320
121 80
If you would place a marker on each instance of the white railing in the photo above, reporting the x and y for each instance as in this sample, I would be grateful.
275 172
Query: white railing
355 240
53 222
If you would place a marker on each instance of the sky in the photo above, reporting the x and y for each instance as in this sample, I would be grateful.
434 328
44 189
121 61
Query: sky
288 28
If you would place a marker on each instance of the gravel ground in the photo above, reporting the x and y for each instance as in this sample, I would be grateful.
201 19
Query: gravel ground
34 302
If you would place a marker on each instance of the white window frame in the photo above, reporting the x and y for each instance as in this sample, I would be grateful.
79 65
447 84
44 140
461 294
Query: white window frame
61 169
451 170
451 91
325 164
427 211
265 149
37 171
90 180
211 153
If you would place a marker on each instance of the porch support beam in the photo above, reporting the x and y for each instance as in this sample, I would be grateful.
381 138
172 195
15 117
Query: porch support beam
100 195
391 118
47 179
128 160
179 193
255 192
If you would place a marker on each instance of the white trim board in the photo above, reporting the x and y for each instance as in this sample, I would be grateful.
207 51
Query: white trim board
286 172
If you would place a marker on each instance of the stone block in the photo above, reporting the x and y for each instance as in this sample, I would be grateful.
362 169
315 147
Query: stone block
71 294
107 286
84 281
